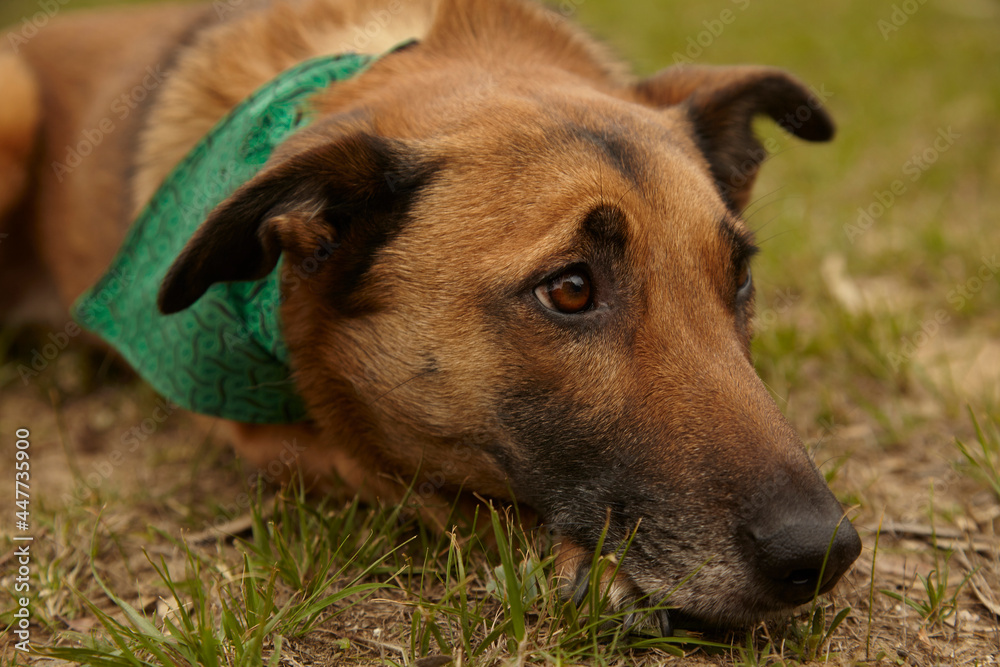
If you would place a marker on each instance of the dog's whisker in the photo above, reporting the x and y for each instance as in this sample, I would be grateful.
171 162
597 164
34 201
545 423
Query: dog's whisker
766 224
628 191
600 180
757 211
761 203
774 392
762 197
773 236
404 382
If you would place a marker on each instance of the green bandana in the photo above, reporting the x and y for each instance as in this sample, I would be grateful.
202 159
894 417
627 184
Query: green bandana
225 355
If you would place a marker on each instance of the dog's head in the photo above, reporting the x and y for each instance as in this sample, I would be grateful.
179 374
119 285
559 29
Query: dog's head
534 279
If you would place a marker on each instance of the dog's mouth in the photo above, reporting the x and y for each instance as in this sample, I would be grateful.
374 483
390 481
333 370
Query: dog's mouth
800 587
734 585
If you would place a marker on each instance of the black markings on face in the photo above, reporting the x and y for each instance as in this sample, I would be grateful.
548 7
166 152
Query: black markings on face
739 240
614 147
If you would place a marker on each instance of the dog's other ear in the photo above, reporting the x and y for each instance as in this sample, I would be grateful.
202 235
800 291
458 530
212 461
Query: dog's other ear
721 103
322 194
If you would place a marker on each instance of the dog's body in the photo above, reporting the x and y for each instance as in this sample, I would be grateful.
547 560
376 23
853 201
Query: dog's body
541 281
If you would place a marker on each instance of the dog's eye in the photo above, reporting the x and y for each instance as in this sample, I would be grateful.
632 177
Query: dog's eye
569 292
745 280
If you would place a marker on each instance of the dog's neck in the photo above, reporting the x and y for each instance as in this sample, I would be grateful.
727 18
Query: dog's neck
239 37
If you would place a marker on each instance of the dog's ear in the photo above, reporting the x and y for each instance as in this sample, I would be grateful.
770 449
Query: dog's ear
343 190
721 103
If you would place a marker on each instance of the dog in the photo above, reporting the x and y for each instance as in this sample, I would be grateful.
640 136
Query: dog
507 267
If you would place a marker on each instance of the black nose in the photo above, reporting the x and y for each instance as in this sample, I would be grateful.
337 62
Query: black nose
807 550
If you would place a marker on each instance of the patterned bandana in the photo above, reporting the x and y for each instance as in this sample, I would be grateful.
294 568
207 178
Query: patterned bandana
225 355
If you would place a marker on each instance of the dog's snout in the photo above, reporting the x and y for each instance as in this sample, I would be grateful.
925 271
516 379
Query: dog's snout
804 551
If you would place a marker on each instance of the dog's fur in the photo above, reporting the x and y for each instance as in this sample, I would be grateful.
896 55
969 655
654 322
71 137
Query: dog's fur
456 176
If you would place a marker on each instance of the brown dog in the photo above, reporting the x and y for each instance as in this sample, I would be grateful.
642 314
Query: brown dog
550 297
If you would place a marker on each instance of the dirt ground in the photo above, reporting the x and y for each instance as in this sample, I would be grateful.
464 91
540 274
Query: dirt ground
101 483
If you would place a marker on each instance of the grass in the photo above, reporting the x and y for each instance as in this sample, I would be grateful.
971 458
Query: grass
939 602
297 571
214 616
984 463
877 346
809 640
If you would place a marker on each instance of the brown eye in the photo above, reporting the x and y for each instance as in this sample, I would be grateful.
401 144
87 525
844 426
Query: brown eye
568 293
